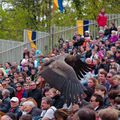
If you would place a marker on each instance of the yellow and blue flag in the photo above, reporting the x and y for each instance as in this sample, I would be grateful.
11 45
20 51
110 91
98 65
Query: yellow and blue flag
58 4
82 25
31 38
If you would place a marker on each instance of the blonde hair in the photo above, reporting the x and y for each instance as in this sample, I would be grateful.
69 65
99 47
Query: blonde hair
116 77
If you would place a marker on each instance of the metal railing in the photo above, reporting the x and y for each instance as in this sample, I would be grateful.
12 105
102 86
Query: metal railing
46 43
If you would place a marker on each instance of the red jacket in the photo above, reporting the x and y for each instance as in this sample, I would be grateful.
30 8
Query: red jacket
102 19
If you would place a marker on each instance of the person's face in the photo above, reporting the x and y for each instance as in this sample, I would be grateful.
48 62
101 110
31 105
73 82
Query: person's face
102 78
27 108
99 92
113 49
21 79
7 65
107 42
18 88
91 83
16 75
4 84
47 94
32 86
26 86
26 69
32 71
14 104
109 78
93 102
116 82
51 93
7 80
103 10
117 54
28 79
44 105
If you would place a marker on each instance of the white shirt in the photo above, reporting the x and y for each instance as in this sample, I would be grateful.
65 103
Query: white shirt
49 113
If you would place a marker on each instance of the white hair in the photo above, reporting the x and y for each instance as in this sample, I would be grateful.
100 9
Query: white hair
29 103
6 92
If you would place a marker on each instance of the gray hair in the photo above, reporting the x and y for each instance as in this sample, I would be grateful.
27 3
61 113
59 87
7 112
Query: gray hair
6 92
29 103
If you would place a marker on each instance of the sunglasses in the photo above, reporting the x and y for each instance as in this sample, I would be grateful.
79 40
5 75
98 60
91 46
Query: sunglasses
109 76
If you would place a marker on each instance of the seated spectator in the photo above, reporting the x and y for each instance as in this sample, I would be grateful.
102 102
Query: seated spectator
47 109
115 83
113 37
28 107
112 95
35 92
101 90
6 85
102 79
14 103
58 100
108 114
61 114
85 114
20 92
90 88
97 102
5 105
112 27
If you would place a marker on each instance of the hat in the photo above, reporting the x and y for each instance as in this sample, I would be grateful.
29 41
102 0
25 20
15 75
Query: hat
14 99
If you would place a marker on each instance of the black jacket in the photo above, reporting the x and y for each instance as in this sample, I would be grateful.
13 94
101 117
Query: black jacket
36 94
58 101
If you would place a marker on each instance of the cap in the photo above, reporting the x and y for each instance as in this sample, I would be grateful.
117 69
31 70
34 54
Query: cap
14 99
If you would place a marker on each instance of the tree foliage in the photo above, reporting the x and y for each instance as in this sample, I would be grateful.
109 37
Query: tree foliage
38 15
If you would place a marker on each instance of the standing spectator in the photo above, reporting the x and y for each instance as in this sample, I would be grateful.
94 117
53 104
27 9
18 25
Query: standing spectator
102 19
112 27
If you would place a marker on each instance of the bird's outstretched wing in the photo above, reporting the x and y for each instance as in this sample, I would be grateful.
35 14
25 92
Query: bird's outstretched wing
62 76
80 67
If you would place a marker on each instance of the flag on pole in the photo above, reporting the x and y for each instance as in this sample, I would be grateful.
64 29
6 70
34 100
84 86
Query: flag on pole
58 4
82 25
31 38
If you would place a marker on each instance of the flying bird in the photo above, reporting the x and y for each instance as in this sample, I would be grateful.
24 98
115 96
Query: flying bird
64 72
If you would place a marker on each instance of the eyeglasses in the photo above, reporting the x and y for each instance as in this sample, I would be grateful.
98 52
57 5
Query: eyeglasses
33 85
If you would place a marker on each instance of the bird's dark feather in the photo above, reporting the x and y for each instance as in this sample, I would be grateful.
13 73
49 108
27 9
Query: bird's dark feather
62 72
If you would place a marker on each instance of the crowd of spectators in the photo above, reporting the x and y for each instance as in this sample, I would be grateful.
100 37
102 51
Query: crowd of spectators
24 94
